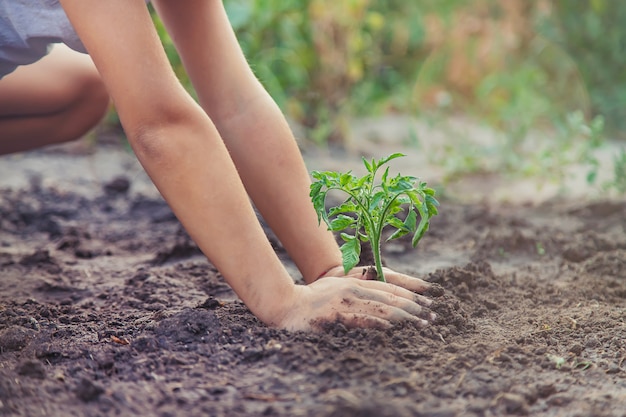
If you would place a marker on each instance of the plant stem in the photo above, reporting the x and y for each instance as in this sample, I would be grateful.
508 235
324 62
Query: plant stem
375 242
375 237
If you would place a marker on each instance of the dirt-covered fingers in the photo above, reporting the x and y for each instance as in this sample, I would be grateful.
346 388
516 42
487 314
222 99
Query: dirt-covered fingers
399 292
396 290
395 311
363 320
406 281
393 296
351 320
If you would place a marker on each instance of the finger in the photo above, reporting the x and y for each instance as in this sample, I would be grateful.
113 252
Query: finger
363 320
421 300
337 271
362 272
374 298
388 312
396 290
406 281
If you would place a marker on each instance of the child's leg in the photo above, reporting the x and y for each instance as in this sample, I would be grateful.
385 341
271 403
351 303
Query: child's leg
57 99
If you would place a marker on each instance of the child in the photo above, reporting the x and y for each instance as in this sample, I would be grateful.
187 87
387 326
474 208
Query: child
206 159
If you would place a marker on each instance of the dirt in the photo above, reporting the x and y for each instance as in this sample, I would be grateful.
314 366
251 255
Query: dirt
108 308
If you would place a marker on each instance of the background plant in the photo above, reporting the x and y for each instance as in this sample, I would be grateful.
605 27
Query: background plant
593 33
518 66
325 61
514 67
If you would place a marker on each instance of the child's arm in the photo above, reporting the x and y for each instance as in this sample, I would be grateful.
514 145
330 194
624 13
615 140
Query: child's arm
183 153
253 129
256 135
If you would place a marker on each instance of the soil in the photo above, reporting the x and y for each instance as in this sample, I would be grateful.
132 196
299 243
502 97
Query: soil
108 308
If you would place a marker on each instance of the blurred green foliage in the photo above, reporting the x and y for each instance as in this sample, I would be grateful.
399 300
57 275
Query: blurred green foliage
594 34
517 64
326 61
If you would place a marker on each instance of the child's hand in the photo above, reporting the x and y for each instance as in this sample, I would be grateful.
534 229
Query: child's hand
355 303
392 277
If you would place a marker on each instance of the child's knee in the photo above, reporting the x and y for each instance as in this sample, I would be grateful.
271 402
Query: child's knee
75 81
91 91
99 98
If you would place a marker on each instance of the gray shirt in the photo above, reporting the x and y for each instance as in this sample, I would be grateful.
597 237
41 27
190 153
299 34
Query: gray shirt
28 28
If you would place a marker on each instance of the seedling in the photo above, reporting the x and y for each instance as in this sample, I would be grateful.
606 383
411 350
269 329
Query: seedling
371 207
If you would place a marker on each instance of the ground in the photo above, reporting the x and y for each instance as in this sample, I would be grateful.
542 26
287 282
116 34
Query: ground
108 308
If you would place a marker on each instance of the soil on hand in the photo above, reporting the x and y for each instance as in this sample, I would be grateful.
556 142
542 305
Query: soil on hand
108 308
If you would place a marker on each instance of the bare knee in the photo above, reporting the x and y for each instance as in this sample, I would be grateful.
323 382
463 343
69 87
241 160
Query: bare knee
86 103
52 85
81 84
92 95
57 99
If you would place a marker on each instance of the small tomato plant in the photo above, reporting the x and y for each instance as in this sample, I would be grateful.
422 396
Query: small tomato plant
371 207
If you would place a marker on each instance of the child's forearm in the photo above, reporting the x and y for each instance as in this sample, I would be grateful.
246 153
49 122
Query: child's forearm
191 168
271 167
181 150
254 129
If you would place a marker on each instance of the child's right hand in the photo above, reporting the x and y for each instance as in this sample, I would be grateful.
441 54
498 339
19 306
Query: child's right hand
353 302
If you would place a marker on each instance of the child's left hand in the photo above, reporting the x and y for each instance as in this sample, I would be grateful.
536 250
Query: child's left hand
406 281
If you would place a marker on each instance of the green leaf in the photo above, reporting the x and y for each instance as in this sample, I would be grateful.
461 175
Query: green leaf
411 220
367 164
397 234
400 184
422 228
345 179
367 179
431 205
319 205
350 253
376 199
403 199
414 196
393 209
341 222
346 237
316 187
389 158
407 226
395 222
420 232
346 207
384 178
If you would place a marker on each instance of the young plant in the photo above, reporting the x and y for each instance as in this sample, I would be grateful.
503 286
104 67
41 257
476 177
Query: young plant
371 207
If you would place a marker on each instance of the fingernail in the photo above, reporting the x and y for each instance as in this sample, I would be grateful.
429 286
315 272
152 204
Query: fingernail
423 300
424 323
433 317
